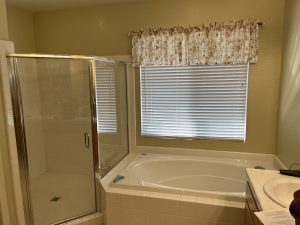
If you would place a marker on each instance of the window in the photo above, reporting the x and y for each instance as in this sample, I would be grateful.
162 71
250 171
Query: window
207 101
106 98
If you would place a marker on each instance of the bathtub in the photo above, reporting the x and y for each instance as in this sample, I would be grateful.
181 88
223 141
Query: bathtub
189 175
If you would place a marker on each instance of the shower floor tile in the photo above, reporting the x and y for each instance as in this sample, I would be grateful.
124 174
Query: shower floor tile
59 196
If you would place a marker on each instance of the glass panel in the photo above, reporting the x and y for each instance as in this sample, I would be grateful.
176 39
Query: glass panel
111 113
57 114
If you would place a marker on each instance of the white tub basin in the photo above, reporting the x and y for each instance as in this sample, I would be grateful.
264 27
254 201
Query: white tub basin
281 190
186 175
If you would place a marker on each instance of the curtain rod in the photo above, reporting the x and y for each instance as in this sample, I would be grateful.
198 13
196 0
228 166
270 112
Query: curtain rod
259 23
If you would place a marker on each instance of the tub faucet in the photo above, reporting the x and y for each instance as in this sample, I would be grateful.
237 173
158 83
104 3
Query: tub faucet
290 171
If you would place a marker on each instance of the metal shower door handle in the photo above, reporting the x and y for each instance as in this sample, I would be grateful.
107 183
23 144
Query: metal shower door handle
87 140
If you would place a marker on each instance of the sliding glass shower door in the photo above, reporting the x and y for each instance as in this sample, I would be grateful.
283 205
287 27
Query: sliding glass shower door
54 101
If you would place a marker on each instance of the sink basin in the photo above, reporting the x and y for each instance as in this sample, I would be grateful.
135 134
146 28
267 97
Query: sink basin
281 190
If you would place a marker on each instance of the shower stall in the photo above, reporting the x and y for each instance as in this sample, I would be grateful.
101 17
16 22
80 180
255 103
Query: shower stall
70 118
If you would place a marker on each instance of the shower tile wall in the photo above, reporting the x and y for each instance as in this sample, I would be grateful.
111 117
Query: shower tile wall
34 121
45 125
65 112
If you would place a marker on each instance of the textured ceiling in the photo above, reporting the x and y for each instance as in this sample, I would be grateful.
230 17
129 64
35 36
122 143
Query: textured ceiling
47 5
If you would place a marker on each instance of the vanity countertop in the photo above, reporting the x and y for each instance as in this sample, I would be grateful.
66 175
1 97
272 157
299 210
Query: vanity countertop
257 179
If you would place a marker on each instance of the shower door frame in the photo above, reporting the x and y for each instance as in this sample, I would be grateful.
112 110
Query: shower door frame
17 107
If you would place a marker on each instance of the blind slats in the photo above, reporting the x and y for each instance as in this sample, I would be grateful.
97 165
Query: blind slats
194 101
106 99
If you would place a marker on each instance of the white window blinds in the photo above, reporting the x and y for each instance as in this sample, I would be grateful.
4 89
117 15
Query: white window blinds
106 98
207 101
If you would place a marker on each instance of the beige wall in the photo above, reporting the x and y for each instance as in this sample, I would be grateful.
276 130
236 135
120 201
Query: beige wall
21 29
103 30
288 148
3 21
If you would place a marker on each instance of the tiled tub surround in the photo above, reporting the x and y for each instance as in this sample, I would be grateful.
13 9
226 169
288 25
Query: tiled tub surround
129 207
138 203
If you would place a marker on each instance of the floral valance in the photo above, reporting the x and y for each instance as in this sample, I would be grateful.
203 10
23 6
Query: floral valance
234 42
